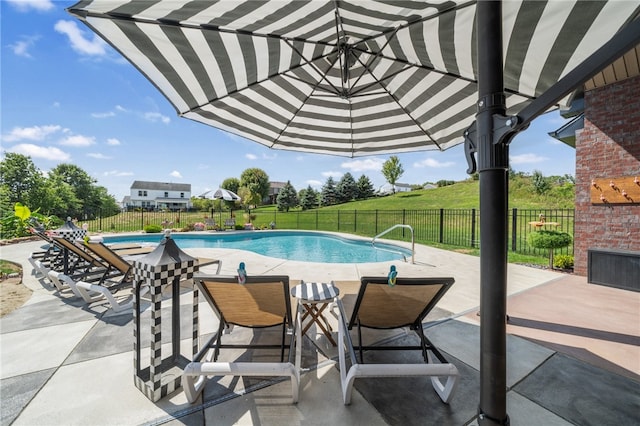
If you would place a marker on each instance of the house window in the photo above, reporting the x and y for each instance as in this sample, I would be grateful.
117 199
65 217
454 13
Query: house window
139 193
166 195
182 195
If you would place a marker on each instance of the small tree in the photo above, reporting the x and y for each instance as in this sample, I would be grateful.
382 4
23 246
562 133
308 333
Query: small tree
346 189
549 240
392 171
287 197
308 198
328 194
365 188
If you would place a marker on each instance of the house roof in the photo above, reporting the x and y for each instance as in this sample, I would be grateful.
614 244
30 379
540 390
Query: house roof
161 186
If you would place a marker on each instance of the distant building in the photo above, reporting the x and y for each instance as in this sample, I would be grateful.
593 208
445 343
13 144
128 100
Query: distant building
400 187
274 190
158 196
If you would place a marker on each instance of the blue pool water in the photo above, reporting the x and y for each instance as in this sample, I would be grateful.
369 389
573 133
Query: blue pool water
290 245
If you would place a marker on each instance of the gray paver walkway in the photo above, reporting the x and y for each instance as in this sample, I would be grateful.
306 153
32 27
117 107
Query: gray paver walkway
66 363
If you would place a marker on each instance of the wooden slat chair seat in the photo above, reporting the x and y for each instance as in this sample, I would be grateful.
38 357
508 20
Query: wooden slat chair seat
261 302
406 303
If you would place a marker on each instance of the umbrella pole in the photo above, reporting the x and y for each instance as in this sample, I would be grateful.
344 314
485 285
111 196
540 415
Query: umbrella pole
493 164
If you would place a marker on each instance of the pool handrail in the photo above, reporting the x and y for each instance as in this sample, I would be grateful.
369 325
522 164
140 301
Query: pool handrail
399 225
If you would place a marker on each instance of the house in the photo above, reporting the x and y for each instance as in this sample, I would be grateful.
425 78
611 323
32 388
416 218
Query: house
274 190
158 196
605 133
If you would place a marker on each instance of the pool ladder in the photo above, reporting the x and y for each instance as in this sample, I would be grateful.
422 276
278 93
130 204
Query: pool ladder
413 245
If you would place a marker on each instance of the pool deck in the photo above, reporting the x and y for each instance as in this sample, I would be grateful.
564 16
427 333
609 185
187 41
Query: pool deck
573 355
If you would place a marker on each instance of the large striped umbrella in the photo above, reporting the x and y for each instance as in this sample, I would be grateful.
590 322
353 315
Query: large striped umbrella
354 78
349 78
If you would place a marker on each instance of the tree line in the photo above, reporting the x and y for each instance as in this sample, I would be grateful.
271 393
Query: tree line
66 191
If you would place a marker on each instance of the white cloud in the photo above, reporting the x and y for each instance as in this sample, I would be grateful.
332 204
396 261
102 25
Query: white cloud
314 183
26 5
56 104
526 159
269 157
363 165
121 108
251 157
37 151
175 174
154 117
103 114
113 142
430 162
98 156
117 173
92 46
332 174
78 141
21 48
35 133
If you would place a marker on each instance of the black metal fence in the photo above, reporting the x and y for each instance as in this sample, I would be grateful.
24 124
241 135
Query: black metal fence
456 227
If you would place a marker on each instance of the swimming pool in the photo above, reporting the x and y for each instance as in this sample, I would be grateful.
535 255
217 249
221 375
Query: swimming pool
290 245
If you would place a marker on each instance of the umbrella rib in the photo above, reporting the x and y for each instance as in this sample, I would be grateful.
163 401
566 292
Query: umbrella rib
395 99
269 77
314 67
367 67
114 16
420 20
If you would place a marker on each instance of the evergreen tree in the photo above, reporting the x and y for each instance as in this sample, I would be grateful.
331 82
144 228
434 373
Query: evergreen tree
364 188
328 195
308 198
287 197
346 190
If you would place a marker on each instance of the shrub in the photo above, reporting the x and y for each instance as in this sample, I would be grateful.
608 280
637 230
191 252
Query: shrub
549 240
152 229
563 261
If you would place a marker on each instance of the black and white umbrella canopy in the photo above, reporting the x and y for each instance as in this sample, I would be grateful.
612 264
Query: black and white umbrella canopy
225 194
349 78
358 78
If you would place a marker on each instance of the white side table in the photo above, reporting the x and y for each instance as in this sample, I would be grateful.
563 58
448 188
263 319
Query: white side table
313 300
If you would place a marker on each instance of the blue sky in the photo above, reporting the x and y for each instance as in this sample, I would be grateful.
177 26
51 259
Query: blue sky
67 97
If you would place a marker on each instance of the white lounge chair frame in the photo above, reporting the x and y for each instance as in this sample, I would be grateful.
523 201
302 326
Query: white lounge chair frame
90 293
436 371
205 364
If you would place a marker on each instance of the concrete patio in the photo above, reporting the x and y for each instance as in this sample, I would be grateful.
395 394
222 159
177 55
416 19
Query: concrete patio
573 355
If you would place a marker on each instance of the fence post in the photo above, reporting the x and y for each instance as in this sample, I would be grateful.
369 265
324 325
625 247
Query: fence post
441 226
338 220
514 226
355 221
473 228
376 222
316 219
142 218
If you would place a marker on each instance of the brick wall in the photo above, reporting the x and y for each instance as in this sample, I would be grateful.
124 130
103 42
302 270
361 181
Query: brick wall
607 147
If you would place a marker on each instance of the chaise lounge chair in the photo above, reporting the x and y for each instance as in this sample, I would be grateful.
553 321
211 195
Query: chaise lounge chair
78 262
260 302
380 305
230 223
